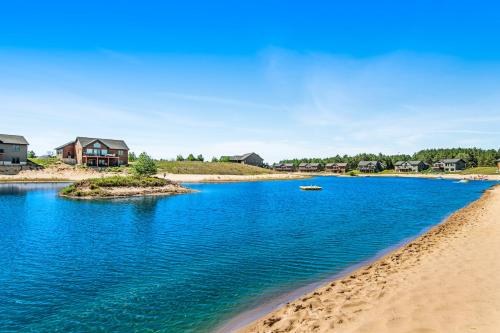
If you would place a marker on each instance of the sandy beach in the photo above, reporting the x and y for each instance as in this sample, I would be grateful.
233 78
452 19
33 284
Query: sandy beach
444 281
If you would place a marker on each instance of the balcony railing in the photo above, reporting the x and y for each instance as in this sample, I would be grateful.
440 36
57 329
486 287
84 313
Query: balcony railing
98 155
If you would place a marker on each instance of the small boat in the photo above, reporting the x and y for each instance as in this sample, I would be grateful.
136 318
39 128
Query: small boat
463 181
311 188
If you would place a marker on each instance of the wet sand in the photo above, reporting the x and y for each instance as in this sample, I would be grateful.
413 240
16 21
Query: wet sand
446 280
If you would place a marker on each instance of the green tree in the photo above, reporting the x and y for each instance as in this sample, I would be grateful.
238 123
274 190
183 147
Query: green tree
224 159
180 158
214 159
200 158
31 154
145 166
132 157
191 158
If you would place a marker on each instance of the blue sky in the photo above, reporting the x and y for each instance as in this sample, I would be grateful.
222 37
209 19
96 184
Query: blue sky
282 78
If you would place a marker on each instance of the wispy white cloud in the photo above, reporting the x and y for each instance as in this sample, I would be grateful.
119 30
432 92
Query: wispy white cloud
288 105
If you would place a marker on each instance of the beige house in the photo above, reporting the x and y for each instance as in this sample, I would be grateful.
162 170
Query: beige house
13 150
410 166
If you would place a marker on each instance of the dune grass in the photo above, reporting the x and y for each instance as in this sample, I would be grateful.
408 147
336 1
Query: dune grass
209 168
45 162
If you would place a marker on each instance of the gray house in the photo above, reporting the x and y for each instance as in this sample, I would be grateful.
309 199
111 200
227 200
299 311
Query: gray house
13 150
450 165
370 166
250 159
409 166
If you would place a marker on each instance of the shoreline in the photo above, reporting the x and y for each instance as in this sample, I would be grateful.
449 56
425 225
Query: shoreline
244 319
306 311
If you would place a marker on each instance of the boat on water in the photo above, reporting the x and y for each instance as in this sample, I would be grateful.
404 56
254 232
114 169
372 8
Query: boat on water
311 188
463 181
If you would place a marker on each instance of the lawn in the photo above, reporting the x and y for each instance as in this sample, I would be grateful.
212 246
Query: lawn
480 171
209 168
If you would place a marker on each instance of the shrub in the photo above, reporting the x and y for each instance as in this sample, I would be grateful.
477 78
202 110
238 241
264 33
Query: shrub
145 166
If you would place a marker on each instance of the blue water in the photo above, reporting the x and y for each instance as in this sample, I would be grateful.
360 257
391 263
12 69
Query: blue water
189 262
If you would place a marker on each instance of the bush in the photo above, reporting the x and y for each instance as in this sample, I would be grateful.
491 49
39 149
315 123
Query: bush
145 166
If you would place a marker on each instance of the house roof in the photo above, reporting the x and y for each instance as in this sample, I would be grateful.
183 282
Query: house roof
64 145
313 164
110 143
330 164
452 160
413 163
241 157
365 163
303 164
341 164
13 139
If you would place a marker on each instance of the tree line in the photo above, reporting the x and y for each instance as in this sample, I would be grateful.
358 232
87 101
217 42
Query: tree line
474 157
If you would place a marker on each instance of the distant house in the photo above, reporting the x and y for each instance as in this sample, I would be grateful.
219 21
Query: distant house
310 167
288 167
13 150
410 166
449 165
370 166
250 159
336 167
94 152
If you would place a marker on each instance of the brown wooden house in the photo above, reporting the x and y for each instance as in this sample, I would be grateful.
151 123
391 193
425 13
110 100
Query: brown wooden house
336 167
94 152
310 167
286 167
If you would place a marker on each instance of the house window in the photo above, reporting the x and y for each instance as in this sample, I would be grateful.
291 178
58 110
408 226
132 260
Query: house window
16 148
104 152
97 145
89 151
120 152
1 151
15 160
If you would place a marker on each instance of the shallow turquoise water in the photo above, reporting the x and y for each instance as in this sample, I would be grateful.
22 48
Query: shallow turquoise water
187 263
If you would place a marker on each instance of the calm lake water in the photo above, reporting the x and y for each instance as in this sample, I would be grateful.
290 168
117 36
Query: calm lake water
189 262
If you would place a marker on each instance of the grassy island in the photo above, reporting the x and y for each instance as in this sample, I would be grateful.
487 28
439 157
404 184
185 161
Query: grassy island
122 186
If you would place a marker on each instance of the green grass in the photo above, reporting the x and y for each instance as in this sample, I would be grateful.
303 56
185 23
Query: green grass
209 168
94 186
480 171
45 162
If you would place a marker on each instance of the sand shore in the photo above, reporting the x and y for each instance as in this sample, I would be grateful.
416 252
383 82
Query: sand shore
181 178
447 280
63 173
